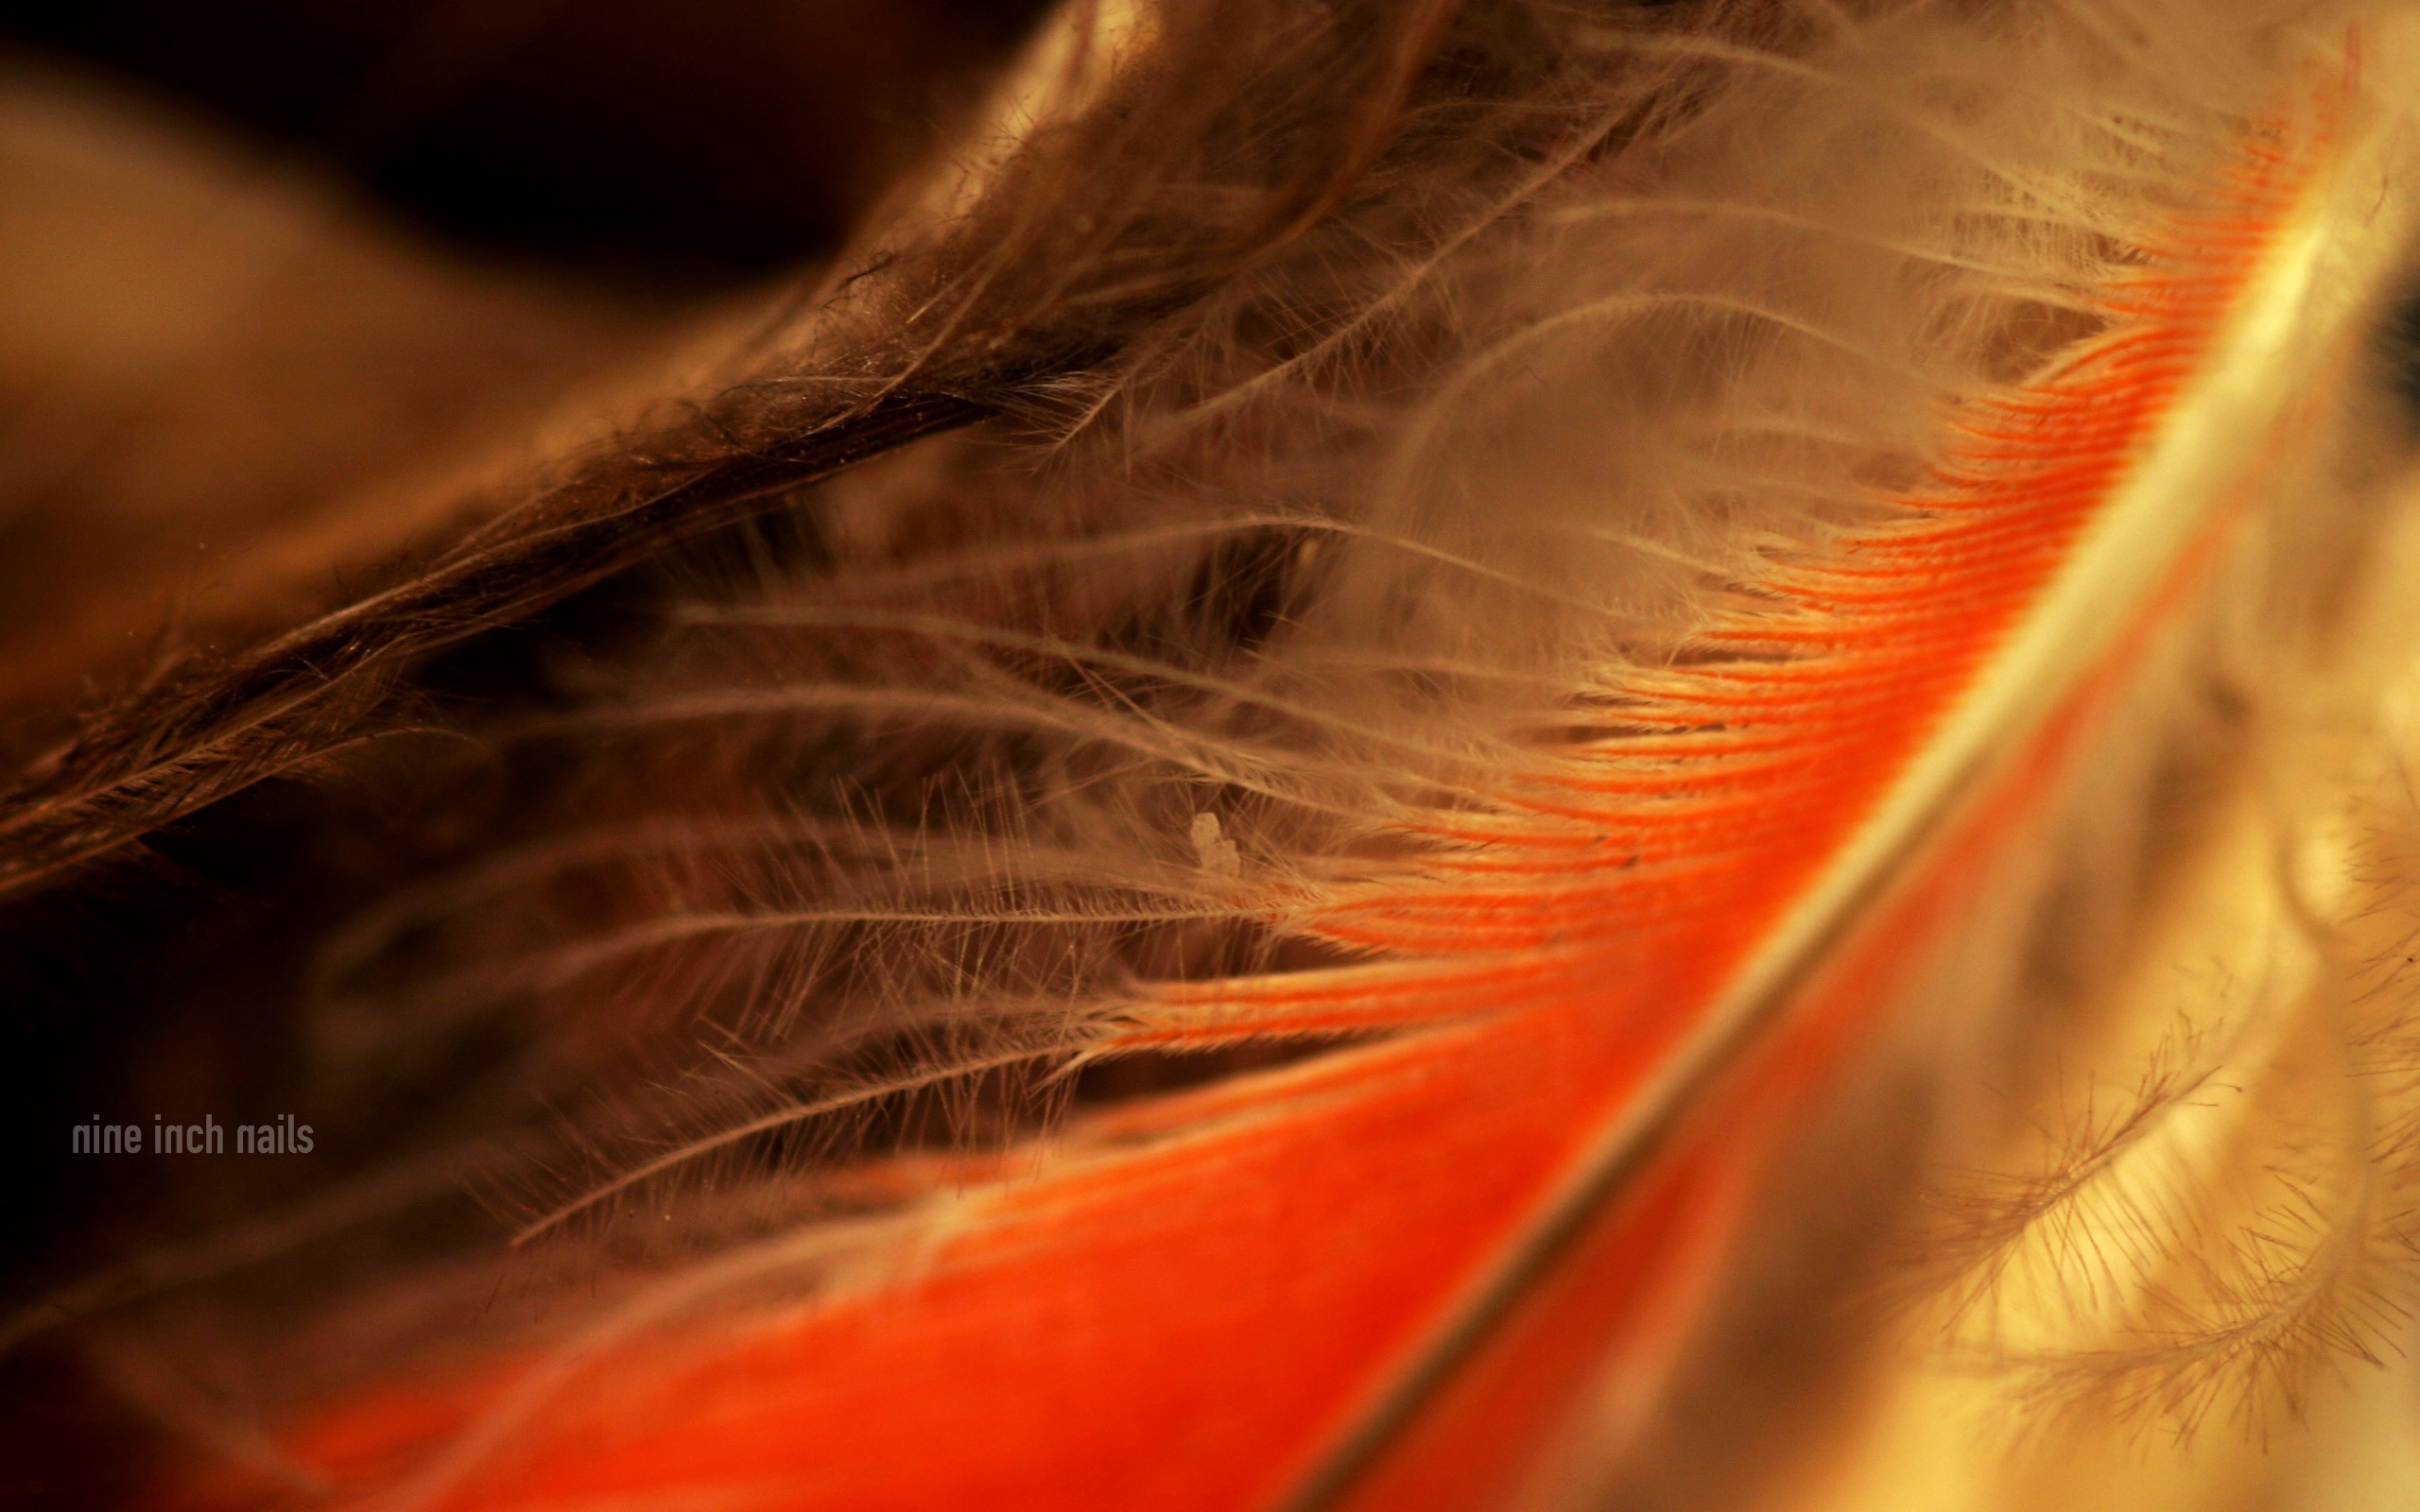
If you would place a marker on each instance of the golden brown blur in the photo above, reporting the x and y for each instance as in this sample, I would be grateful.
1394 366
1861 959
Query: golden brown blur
279 284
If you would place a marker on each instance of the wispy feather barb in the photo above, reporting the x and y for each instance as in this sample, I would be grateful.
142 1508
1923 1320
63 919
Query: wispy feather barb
1498 660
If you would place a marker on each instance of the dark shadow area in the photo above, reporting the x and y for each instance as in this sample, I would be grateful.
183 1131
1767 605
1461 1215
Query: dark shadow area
694 142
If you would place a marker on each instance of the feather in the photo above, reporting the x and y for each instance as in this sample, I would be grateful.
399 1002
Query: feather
1282 942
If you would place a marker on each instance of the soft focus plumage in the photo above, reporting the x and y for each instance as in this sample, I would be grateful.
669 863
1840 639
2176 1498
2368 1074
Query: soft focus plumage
1434 755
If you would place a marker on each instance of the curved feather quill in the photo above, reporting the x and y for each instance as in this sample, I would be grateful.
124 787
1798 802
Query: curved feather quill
1554 1010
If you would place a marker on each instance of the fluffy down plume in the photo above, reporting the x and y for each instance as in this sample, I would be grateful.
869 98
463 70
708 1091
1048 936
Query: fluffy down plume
1438 755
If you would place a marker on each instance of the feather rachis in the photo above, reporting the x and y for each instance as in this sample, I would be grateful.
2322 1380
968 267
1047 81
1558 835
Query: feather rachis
1542 917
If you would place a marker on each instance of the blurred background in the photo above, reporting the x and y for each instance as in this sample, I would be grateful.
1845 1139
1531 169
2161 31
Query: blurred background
279 280
646 138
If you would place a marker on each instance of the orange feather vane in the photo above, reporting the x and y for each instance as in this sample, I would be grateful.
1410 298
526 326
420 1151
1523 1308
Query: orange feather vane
1547 999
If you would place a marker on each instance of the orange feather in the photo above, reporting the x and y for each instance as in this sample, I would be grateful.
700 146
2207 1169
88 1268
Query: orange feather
1383 1275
